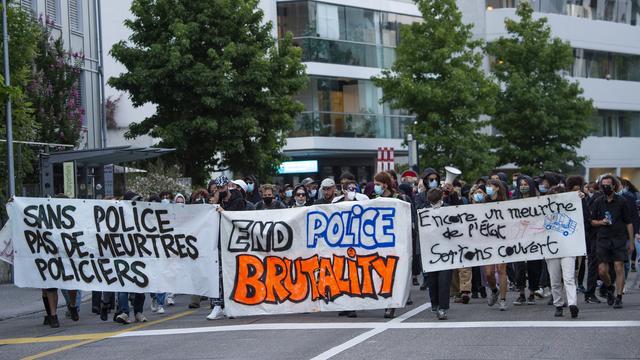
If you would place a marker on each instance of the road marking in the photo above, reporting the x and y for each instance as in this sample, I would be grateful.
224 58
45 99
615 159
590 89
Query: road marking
106 335
371 333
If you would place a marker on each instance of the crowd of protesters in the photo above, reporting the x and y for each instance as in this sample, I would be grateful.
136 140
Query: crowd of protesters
612 227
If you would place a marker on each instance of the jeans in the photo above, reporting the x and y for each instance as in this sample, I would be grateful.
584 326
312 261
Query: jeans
439 286
561 271
123 303
528 270
160 298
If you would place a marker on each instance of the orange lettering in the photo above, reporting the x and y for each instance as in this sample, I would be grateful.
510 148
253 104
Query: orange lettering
299 290
309 267
327 280
367 277
386 270
276 273
338 272
248 289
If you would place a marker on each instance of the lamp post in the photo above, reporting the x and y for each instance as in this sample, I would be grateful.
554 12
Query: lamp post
7 83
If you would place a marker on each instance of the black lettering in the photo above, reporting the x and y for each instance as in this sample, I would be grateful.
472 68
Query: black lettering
162 223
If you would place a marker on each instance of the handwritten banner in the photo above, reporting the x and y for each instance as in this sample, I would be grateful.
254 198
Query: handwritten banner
114 245
346 256
517 230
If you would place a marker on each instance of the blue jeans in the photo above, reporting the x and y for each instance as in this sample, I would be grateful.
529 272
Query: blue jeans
123 303
160 298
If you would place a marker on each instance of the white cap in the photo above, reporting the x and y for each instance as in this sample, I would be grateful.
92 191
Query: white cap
241 183
328 182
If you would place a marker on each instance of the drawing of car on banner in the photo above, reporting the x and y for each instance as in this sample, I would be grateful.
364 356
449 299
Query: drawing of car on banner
560 223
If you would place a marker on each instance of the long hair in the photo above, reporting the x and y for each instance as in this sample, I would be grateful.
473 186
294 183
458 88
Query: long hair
502 190
385 178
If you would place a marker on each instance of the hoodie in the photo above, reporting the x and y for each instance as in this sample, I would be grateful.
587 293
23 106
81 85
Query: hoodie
253 196
533 187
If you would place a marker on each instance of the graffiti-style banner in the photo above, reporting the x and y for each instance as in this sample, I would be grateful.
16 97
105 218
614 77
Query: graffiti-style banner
346 256
503 232
104 245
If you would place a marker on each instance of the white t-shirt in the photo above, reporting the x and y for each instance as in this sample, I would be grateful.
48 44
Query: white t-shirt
359 197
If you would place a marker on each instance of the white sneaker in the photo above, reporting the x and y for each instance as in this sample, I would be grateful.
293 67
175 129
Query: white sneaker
170 301
140 318
123 319
493 297
502 303
154 305
216 313
160 310
547 292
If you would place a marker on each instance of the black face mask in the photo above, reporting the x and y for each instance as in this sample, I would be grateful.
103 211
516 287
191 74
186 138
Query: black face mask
607 189
267 200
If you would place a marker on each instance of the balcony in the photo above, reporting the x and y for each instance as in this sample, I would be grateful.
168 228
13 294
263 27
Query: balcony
350 125
346 52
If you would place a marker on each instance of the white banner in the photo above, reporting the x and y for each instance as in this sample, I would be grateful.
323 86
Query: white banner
344 256
502 232
6 246
123 246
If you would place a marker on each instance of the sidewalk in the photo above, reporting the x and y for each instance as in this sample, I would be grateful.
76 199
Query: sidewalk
15 301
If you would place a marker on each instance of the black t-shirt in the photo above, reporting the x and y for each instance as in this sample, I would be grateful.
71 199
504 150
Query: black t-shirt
620 217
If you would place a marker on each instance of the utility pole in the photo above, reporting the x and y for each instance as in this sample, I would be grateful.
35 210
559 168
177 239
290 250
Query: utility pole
7 83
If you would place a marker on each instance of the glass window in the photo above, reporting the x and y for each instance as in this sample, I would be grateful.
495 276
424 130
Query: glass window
360 25
294 17
616 123
328 21
629 124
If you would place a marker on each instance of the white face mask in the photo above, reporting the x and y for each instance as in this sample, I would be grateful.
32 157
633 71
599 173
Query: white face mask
351 195
300 202
165 201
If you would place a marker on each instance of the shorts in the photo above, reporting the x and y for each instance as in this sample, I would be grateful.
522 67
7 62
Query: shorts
610 250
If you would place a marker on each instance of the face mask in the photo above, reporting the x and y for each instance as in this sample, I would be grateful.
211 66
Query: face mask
542 188
267 200
351 195
433 184
250 187
607 189
478 197
165 201
288 193
524 189
490 190
378 190
313 193
300 202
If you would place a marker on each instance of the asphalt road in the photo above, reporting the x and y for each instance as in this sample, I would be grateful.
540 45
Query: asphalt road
473 331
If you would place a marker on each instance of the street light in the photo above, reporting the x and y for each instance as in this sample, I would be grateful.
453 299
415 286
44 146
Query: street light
7 83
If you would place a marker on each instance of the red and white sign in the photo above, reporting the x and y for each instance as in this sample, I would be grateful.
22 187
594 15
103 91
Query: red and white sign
385 159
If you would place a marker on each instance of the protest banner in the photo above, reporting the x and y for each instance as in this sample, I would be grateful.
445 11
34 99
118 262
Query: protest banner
344 256
6 246
454 237
104 245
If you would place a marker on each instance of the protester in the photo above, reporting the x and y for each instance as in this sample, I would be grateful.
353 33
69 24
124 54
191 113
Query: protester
253 189
269 201
312 190
496 191
477 195
287 195
615 239
349 189
300 195
327 192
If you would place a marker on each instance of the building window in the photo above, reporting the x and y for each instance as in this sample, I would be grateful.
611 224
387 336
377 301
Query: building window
28 5
605 65
75 15
342 35
52 10
609 123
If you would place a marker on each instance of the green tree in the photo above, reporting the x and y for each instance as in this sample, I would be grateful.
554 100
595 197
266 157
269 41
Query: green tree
438 77
222 88
23 33
540 115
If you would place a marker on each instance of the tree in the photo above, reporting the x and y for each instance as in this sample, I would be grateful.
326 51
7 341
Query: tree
54 90
438 77
23 33
540 115
222 88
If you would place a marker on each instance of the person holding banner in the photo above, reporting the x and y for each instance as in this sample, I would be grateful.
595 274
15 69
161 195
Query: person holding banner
562 273
269 201
496 191
383 186
615 238
439 282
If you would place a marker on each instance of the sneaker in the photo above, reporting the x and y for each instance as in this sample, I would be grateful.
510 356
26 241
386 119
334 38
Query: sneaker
465 298
442 314
154 305
581 289
414 281
547 292
140 318
618 303
170 301
521 300
123 319
592 299
610 297
216 313
434 309
160 310
558 312
53 321
47 320
389 313
539 293
493 298
502 304
531 300
73 313
574 311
